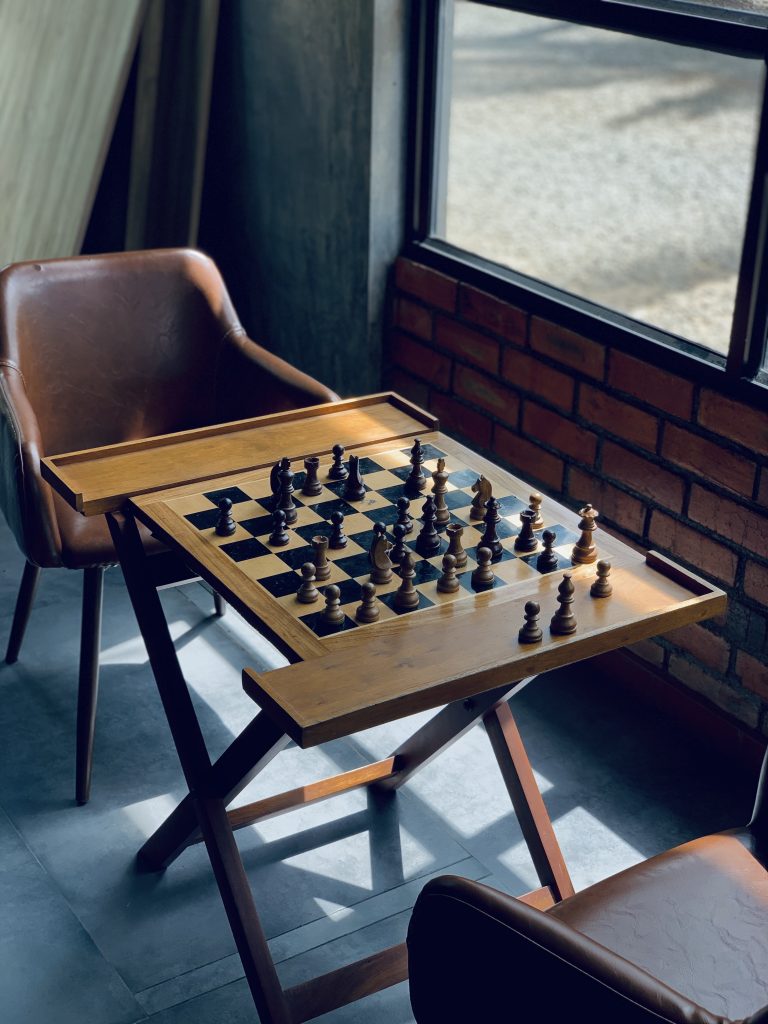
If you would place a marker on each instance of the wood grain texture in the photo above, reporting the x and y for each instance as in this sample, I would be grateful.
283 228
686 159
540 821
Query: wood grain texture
63 68
542 898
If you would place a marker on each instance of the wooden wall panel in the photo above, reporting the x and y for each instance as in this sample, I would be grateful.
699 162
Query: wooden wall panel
63 67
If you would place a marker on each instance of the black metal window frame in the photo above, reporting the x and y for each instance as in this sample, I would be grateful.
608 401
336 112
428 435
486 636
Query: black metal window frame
743 373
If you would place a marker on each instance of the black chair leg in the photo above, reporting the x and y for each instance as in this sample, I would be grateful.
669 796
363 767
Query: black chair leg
24 601
219 604
88 687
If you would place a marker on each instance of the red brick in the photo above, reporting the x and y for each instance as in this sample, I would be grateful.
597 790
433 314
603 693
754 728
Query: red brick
457 418
756 582
528 458
467 344
707 647
710 460
621 508
567 347
421 361
644 476
494 314
742 526
558 432
413 317
649 651
487 392
692 547
432 287
529 374
753 674
738 704
407 386
655 386
734 420
618 417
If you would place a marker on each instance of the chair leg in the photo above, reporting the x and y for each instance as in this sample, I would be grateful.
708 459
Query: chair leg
88 687
27 590
219 604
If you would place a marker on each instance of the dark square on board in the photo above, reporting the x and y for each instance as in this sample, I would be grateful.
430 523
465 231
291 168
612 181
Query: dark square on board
509 504
387 515
428 450
320 628
269 502
233 493
281 585
389 601
369 466
204 520
562 535
258 526
239 550
393 493
337 486
354 565
463 478
325 509
296 557
349 590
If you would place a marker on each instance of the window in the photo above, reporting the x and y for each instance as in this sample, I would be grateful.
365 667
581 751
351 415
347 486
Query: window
604 161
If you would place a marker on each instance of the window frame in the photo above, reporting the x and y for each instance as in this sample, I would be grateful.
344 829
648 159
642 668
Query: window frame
743 373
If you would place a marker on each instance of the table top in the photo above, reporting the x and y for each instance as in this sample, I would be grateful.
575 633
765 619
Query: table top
453 646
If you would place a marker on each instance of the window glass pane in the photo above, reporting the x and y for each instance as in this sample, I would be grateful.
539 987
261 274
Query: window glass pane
615 167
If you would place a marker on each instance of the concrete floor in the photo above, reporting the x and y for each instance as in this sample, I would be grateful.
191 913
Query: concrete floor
85 939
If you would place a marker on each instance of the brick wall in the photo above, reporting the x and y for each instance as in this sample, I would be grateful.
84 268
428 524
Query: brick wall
669 463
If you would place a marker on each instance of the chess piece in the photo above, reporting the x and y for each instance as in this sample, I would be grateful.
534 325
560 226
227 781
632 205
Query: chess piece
547 560
416 480
428 540
535 500
526 539
439 488
274 483
563 622
368 610
448 583
602 585
530 631
483 492
354 489
455 532
225 524
381 565
332 615
584 550
338 470
312 486
402 514
307 592
406 596
320 558
482 577
279 536
490 539
338 538
285 499
398 549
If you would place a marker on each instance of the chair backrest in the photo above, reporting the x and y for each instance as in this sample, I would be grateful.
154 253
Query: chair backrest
115 347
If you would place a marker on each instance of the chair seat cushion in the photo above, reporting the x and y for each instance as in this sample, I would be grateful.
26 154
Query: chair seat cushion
695 917
86 541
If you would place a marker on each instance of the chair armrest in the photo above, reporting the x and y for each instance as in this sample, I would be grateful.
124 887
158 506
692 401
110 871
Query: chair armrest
478 954
252 381
25 498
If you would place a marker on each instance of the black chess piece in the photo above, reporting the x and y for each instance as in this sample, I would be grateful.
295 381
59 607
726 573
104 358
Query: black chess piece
378 556
279 536
416 480
406 596
307 592
547 560
428 540
320 557
338 537
338 470
563 622
448 582
526 539
312 486
274 483
285 498
332 615
530 632
455 532
403 517
439 490
368 609
225 524
354 489
399 549
482 577
490 538
602 585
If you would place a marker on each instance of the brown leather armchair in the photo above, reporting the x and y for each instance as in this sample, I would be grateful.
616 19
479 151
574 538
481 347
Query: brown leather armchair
100 349
680 938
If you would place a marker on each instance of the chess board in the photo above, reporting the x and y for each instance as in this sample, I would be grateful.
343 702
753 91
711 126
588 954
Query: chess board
277 569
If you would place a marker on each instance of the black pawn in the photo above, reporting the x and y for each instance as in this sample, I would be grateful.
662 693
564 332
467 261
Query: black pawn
428 541
225 524
354 489
526 539
482 577
338 537
403 517
490 538
547 560
338 470
399 549
312 486
530 632
279 536
416 480
602 586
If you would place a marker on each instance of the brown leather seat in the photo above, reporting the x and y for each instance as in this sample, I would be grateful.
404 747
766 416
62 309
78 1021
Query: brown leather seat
101 349
682 937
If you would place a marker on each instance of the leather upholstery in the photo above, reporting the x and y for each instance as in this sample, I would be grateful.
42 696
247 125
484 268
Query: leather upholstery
100 349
